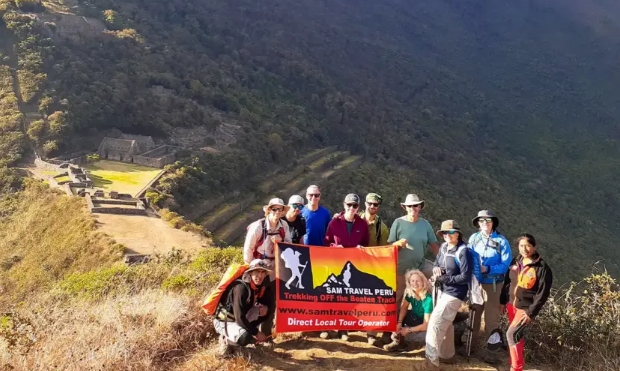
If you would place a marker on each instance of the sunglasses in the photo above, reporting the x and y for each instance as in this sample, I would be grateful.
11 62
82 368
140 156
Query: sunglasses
412 206
448 232
277 209
297 206
315 195
355 206
375 204
486 220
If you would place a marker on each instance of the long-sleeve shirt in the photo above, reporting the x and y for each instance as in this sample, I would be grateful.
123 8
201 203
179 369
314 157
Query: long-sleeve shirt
495 255
253 248
373 227
338 233
244 298
456 262
533 287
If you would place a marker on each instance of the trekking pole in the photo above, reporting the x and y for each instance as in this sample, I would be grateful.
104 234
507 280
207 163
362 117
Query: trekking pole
470 328
301 274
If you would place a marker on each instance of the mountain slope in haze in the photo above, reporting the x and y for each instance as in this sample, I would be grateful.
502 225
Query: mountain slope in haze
472 104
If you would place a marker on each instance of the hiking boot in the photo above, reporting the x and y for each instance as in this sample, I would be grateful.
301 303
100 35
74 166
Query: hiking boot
344 335
491 357
448 361
223 348
395 346
324 335
431 367
375 341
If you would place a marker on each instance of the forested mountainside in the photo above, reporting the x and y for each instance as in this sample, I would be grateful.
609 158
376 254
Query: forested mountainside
472 104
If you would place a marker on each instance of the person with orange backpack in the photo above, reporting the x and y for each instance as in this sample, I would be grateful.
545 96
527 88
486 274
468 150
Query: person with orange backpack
260 242
245 304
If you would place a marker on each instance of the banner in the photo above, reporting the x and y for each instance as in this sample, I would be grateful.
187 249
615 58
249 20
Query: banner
327 288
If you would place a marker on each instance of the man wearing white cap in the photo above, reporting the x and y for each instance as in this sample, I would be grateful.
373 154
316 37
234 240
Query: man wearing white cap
294 219
260 242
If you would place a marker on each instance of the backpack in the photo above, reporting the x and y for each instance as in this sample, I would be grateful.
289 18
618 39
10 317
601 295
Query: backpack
263 236
377 226
233 273
475 289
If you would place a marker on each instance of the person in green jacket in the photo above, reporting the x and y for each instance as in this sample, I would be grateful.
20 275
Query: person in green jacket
377 229
378 232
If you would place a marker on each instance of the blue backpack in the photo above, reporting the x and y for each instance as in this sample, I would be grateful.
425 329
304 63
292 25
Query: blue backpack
475 259
475 291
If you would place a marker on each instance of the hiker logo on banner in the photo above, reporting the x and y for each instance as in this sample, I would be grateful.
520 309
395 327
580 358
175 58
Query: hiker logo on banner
323 288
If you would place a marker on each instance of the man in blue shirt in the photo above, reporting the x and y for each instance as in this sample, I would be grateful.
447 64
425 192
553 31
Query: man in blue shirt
317 217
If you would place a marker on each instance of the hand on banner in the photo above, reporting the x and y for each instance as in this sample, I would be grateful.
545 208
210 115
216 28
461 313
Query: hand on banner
401 243
276 239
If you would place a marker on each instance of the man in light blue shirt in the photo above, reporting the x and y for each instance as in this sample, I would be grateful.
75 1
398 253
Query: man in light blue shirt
493 250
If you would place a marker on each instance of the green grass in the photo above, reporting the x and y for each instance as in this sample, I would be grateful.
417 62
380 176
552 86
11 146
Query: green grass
120 176
63 179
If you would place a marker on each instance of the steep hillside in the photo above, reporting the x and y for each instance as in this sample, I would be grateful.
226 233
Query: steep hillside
472 104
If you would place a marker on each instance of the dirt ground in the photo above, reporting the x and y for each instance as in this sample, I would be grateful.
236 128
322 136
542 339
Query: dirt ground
148 235
304 353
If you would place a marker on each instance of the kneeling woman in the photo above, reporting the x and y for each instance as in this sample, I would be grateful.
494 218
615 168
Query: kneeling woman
412 323
453 269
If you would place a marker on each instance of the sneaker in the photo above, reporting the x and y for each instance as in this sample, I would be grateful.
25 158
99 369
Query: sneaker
269 344
324 335
223 348
395 346
491 357
372 340
344 336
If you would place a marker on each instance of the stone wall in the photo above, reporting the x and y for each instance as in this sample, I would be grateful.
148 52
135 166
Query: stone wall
45 165
158 157
139 210
118 210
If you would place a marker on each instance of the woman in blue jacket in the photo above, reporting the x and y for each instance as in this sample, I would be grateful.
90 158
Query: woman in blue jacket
494 254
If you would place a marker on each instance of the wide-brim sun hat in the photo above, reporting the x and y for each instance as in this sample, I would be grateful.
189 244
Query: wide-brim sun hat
447 226
255 265
276 202
485 214
413 199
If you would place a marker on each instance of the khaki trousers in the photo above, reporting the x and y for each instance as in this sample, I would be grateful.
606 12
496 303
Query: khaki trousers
490 309
440 331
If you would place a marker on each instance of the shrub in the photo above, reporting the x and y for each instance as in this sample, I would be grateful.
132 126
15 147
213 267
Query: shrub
579 327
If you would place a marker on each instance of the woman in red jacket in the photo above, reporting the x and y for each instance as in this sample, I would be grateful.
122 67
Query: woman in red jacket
347 229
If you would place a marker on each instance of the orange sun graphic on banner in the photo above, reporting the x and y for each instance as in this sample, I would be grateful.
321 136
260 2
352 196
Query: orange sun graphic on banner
376 261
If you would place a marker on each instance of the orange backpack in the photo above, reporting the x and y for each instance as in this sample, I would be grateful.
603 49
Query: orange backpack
234 272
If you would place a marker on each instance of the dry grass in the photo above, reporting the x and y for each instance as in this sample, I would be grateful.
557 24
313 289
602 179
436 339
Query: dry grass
120 176
45 235
147 331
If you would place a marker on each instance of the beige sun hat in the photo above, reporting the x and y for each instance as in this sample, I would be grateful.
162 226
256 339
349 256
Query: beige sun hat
274 202
448 225
412 199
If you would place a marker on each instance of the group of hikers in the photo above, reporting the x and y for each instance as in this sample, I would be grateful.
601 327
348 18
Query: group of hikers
480 272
